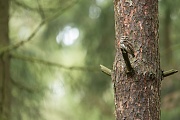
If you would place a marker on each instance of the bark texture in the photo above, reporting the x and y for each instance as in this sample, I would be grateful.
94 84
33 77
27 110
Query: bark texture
137 96
4 62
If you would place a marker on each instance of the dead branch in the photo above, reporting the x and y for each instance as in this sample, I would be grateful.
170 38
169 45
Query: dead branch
48 63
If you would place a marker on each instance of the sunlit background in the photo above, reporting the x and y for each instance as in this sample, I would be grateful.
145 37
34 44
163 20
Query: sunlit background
56 74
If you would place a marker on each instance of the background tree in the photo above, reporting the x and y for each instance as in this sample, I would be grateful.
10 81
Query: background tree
5 87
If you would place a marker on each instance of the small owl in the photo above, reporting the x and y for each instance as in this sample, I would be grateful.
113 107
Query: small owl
126 45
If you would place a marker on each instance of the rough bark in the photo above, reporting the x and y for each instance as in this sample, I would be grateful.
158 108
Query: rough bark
137 96
4 62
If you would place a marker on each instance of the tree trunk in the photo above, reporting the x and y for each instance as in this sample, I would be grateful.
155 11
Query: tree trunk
5 91
137 95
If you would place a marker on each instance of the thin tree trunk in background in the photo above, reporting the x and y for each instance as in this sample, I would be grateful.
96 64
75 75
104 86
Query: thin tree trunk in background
137 97
167 41
4 62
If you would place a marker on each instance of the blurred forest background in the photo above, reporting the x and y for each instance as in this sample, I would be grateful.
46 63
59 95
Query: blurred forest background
55 73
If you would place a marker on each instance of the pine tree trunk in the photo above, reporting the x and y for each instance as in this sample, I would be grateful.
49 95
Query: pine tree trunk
4 62
137 95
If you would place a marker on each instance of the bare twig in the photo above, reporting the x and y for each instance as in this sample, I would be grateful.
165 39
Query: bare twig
41 61
24 6
33 9
105 70
41 11
17 45
169 72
